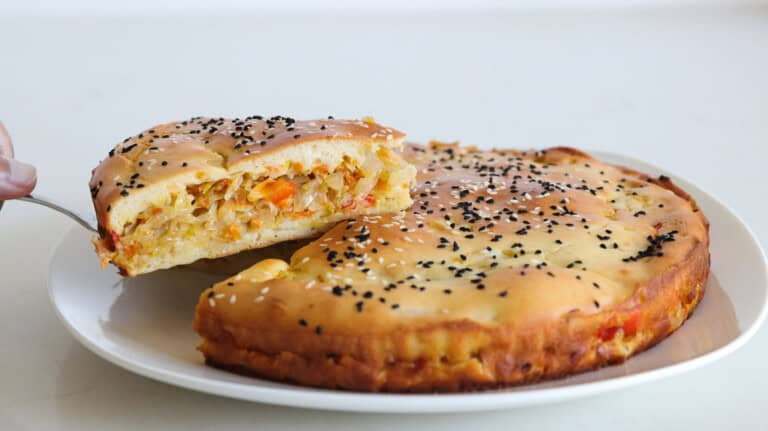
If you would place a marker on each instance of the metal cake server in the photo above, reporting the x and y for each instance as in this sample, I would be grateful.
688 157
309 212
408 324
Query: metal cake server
86 222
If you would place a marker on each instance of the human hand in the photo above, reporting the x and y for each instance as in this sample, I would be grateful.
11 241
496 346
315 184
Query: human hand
17 179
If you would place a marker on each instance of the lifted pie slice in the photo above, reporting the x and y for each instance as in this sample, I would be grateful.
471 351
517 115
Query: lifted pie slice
211 187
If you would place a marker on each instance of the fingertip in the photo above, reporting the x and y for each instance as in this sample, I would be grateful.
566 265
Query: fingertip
17 178
6 148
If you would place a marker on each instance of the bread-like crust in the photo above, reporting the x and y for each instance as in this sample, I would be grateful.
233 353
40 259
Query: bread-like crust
497 281
149 169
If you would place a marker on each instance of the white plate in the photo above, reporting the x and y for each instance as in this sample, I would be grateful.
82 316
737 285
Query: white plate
144 325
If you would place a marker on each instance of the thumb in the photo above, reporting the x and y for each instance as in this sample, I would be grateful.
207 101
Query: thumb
17 179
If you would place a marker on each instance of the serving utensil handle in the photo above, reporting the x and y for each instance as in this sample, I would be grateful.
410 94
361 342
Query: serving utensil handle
83 221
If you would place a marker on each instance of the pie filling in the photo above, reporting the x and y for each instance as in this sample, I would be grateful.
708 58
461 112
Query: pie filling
243 208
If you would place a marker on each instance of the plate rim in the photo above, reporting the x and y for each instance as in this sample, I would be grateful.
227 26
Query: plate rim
334 400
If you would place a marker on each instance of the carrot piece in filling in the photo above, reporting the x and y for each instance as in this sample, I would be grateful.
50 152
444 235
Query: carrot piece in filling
279 191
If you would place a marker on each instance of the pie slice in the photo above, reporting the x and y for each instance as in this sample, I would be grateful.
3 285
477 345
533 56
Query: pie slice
212 187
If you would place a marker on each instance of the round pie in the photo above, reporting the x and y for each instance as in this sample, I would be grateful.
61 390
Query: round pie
510 267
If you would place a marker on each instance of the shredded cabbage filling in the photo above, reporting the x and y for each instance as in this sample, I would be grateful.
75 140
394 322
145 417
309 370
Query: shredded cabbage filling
228 209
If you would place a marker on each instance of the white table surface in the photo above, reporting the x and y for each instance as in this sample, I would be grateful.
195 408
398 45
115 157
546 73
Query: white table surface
686 89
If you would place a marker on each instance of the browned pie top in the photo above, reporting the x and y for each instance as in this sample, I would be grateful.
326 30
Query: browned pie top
203 148
493 238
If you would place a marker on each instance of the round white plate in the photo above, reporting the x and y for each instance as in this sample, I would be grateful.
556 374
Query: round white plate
144 325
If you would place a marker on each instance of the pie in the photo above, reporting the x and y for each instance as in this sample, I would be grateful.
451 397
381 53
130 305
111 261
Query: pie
509 267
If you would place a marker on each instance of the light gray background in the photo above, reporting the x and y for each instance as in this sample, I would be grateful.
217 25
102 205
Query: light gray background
684 88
